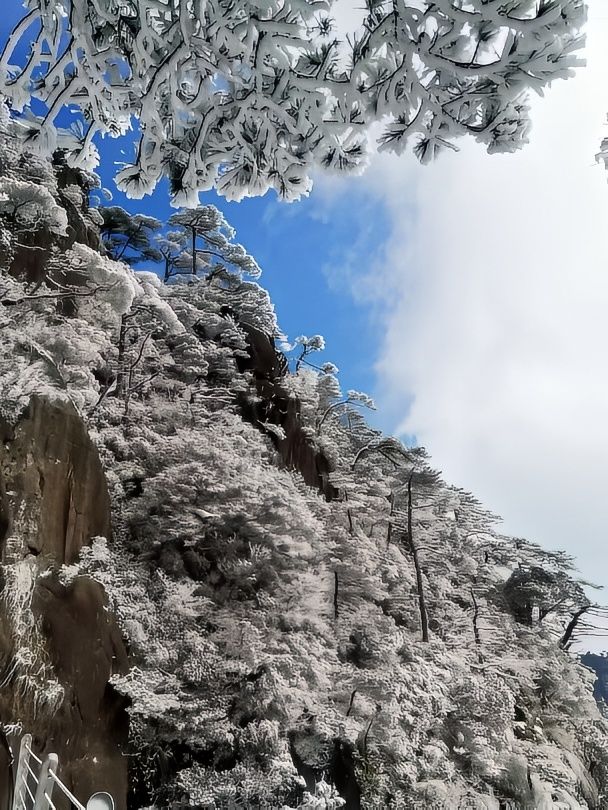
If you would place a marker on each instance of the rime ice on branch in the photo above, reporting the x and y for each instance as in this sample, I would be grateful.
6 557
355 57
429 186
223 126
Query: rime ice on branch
245 96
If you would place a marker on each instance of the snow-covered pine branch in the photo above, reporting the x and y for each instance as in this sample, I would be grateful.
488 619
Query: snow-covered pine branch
245 96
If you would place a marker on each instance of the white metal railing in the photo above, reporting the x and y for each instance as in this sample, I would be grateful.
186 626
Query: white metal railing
36 779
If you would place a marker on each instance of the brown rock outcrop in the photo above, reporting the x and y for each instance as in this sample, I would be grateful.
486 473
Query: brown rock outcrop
277 406
33 252
90 731
53 501
58 495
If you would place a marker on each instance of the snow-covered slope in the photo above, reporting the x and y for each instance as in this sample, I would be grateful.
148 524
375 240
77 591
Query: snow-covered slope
311 616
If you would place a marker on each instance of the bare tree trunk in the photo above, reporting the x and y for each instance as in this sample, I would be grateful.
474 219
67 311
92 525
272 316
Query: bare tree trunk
475 618
367 731
389 533
351 525
565 639
353 695
127 243
300 360
476 626
336 605
121 370
193 251
129 388
424 619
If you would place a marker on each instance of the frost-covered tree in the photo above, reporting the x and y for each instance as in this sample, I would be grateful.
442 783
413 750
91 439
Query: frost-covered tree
308 345
172 247
218 253
129 237
246 96
30 207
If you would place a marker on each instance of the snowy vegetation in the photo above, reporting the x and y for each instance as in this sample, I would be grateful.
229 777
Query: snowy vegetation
247 96
314 617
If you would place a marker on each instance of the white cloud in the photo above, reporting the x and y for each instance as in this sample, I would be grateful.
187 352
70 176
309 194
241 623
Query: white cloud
496 349
347 16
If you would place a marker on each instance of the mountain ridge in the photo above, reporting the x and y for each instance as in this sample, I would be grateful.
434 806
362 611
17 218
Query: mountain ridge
295 610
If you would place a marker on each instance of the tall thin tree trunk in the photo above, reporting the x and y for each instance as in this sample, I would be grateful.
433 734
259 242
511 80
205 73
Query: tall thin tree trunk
475 618
424 619
565 639
128 385
336 587
389 533
367 731
193 251
127 243
476 626
351 525
121 371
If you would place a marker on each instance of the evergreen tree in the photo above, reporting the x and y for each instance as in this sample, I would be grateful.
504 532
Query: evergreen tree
129 238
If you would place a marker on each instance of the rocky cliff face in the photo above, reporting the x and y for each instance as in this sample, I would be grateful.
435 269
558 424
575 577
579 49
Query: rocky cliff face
59 643
277 406
59 497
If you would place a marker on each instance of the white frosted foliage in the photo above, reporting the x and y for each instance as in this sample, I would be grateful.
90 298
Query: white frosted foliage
247 97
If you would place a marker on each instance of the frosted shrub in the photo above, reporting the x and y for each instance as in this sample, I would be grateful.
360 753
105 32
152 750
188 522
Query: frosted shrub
325 797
